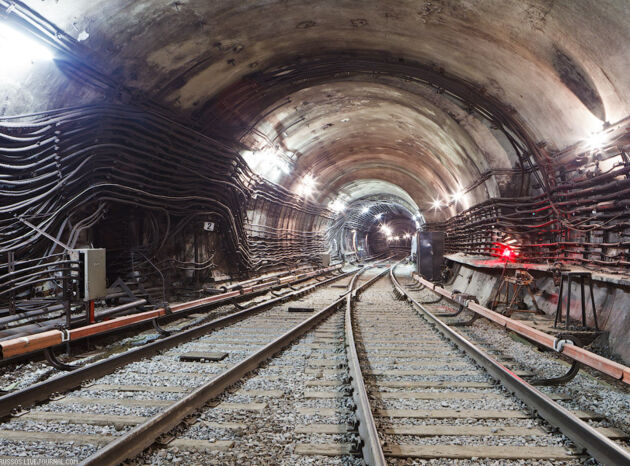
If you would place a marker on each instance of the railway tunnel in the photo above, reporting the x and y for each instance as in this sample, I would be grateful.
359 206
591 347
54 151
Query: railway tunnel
161 158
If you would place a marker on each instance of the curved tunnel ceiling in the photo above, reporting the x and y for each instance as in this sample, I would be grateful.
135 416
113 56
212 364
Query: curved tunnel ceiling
344 130
364 96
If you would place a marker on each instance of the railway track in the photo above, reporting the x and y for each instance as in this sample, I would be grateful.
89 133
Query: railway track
151 390
550 412
376 383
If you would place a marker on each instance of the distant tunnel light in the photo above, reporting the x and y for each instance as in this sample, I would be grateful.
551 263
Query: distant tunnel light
378 216
307 185
337 206
365 210
458 196
596 140
18 50
268 163
436 204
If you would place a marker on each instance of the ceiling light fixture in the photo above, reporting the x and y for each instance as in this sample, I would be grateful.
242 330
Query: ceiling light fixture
457 196
307 185
596 140
18 50
337 206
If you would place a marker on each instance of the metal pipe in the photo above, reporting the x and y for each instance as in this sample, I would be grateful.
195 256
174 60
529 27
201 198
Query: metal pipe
599 446
599 363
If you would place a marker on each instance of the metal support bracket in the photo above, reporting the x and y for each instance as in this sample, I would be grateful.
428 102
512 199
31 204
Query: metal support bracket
56 363
466 323
237 305
558 345
159 329
448 314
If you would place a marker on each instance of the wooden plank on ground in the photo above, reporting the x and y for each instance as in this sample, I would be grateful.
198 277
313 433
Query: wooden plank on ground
429 363
203 356
440 384
136 388
451 430
185 444
23 436
112 401
408 372
313 370
613 433
323 449
469 413
265 393
454 413
438 395
83 418
201 445
478 451
259 407
322 394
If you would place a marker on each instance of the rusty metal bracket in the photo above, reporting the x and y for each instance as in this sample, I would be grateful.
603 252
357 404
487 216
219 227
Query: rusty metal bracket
448 314
558 345
159 329
465 323
56 363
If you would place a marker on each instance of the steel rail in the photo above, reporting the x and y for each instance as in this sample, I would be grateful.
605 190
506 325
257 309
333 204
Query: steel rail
371 445
42 391
586 357
144 435
597 445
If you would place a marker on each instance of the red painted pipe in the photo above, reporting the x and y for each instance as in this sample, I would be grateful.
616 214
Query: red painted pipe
30 343
599 363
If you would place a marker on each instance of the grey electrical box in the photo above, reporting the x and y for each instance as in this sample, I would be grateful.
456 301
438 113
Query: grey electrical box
94 282
430 254
325 258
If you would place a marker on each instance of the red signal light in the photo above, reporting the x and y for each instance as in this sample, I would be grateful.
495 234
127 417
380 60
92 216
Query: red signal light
505 252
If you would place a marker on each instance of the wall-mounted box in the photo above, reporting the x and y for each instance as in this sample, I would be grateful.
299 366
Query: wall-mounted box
430 254
93 273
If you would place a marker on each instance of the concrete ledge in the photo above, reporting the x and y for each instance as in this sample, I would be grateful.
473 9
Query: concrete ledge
482 262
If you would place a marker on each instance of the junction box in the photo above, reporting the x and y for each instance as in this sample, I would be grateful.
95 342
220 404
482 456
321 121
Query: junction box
430 254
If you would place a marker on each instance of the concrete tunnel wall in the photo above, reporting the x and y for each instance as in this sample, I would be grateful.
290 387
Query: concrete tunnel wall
404 103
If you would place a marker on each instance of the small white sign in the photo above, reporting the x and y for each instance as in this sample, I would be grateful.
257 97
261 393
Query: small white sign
208 226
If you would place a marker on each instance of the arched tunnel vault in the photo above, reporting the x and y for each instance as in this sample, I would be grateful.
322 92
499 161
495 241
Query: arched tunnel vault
184 108
347 126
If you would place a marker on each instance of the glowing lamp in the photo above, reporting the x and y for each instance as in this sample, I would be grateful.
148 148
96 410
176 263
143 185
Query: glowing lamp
18 50
596 140
505 252
337 206
306 186
458 196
